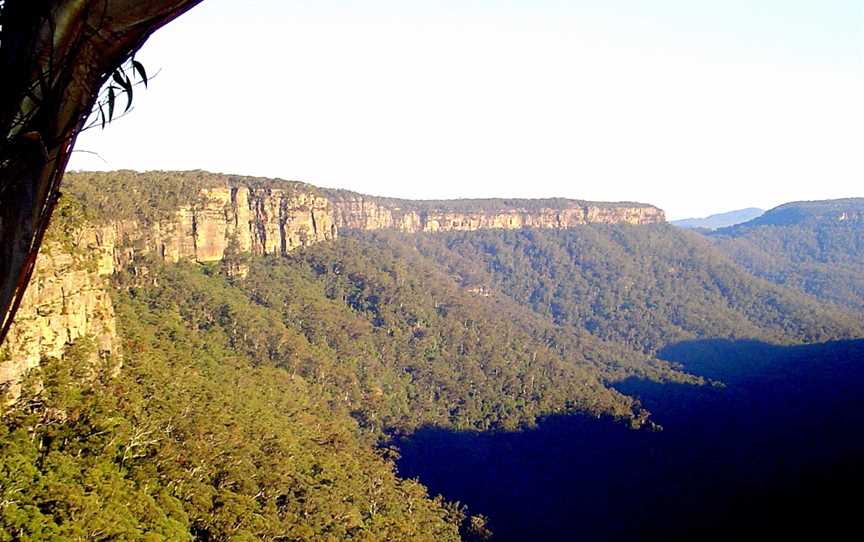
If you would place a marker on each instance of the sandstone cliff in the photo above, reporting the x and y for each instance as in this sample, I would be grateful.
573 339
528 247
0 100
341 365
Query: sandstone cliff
67 299
200 216
68 294
359 212
247 220
204 217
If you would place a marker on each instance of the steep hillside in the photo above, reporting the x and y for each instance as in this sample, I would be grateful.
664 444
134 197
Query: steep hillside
195 440
278 340
646 287
815 247
200 216
249 407
123 220
249 404
432 353
823 212
68 299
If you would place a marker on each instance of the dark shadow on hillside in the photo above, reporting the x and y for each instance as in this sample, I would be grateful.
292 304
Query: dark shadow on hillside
775 453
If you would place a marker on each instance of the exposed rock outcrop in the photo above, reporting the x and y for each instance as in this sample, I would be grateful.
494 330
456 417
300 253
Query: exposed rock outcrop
247 220
203 217
67 299
358 212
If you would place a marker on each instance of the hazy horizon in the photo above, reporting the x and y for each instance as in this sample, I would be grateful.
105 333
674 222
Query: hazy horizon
696 109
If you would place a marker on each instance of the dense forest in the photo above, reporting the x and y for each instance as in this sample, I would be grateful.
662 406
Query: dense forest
477 205
814 247
276 404
153 196
641 286
774 454
195 438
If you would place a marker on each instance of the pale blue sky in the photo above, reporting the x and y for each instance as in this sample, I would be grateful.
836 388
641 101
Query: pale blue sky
695 106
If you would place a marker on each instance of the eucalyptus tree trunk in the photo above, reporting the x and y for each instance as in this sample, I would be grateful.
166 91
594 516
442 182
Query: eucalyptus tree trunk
55 57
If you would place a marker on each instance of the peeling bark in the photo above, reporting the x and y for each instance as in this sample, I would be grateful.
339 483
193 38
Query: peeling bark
55 56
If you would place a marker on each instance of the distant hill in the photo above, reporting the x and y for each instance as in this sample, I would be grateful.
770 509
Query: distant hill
720 220
643 287
813 246
823 212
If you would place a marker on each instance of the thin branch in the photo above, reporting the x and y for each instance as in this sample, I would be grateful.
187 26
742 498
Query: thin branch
94 153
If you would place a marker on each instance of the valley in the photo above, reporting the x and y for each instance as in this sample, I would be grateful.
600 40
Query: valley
772 454
256 359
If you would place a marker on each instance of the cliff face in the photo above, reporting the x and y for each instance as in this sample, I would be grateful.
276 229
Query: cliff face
205 217
243 219
359 212
67 299
200 216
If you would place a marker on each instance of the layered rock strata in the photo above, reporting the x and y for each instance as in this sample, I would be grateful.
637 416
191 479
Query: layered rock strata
245 220
358 212
198 216
67 299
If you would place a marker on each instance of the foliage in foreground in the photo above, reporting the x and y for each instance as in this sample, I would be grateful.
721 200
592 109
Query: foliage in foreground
193 440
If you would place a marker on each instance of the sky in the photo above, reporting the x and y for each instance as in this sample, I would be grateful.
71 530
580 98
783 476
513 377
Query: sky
697 106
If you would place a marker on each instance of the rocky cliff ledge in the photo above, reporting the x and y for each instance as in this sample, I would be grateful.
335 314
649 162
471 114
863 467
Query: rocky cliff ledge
359 212
201 216
67 299
239 218
114 218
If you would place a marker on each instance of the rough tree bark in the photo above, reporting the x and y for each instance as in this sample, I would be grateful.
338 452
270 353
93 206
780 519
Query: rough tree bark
55 56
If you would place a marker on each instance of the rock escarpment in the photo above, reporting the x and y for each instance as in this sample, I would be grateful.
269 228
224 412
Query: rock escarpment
230 218
204 217
359 212
67 299
201 216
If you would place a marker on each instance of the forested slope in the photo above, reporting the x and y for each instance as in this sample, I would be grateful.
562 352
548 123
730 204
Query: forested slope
645 287
196 439
250 408
259 395
814 247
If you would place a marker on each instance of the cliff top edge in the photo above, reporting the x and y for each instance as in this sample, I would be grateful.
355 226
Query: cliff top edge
177 186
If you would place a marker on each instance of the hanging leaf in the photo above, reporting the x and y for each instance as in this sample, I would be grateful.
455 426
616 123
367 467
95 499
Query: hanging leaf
129 93
138 67
119 78
111 97
102 115
123 80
